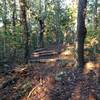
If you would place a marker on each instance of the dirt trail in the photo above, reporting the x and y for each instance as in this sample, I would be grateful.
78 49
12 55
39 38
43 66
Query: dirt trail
51 80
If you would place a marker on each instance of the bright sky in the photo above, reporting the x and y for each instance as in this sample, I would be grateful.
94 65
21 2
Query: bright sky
68 1
1 24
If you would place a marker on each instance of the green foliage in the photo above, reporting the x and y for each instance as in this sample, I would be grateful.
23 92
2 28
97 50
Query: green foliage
49 38
57 20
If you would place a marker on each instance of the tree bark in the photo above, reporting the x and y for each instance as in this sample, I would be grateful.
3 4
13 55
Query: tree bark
95 15
41 26
57 24
25 29
41 34
5 25
14 16
81 32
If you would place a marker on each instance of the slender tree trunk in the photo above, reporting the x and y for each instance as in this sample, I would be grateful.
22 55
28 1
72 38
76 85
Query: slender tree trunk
25 29
41 36
81 32
14 16
95 15
57 22
14 28
95 26
5 25
41 27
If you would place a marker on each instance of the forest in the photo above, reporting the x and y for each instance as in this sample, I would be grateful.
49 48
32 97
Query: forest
49 49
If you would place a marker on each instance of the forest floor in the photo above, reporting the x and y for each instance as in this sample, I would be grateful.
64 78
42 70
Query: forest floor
51 76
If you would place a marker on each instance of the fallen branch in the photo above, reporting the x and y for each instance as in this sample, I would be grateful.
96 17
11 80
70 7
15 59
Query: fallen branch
40 84
9 82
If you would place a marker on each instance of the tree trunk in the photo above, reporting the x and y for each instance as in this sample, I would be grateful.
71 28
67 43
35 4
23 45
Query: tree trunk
14 16
5 25
14 28
41 34
95 15
41 27
81 32
25 29
57 24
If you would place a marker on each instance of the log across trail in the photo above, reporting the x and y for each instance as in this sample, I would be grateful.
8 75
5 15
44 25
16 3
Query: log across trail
47 54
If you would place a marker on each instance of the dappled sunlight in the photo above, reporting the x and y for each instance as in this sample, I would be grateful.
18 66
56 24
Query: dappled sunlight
35 55
44 53
51 60
91 97
41 90
76 93
49 50
66 53
91 66
19 70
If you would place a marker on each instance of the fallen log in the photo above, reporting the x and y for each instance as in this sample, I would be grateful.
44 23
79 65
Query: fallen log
41 52
42 60
46 60
44 54
40 49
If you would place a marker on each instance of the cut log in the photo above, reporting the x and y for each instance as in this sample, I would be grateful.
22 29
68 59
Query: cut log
40 49
45 54
43 60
